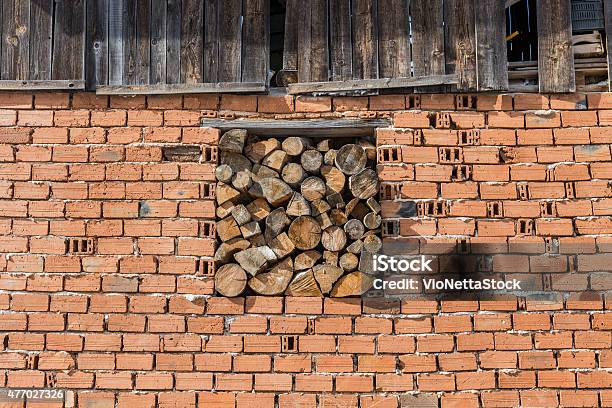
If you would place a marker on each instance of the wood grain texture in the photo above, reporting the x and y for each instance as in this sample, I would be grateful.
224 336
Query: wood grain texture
210 71
393 36
69 40
15 39
427 37
255 39
157 70
173 41
230 87
192 20
41 32
341 47
313 61
491 55
461 42
115 42
371 84
290 42
365 39
230 40
136 43
96 44
608 25
555 55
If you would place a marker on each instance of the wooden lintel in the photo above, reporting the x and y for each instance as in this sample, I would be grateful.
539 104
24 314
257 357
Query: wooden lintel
371 84
42 85
222 87
300 127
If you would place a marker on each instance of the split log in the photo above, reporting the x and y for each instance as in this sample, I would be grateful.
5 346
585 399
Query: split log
324 220
355 247
348 262
226 250
259 209
298 206
354 229
373 205
330 157
242 181
306 260
366 263
330 258
293 174
258 241
304 284
335 200
364 184
311 161
319 207
294 146
224 173
223 210
334 179
369 147
275 281
333 239
352 284
337 217
250 230
324 145
274 190
351 159
313 188
225 193
254 260
275 160
236 161
233 141
350 206
372 220
258 150
372 244
360 211
282 245
260 172
227 229
305 233
230 280
276 222
241 214
326 276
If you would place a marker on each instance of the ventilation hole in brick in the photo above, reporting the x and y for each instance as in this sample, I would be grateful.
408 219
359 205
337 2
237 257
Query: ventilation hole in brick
550 174
463 245
208 229
546 282
32 362
484 263
51 382
469 137
209 190
551 245
389 191
432 208
414 102
465 102
181 153
418 137
80 246
547 209
388 154
209 114
210 154
460 172
289 344
390 228
442 120
522 192
227 115
206 267
310 326
525 226
494 209
450 154
569 190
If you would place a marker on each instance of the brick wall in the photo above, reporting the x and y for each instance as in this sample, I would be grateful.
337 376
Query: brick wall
123 313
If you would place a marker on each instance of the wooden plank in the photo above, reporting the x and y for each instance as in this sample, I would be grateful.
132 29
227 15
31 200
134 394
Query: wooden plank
41 85
365 39
255 41
210 71
230 40
356 85
290 42
310 127
69 40
96 45
136 43
221 87
393 38
115 42
555 55
461 42
608 25
491 55
313 61
173 41
41 31
158 42
15 39
192 21
341 47
427 37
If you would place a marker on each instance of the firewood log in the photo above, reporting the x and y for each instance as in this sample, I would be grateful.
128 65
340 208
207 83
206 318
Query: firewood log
311 161
369 148
226 250
373 205
282 245
334 179
230 280
258 150
304 284
306 260
324 220
257 240
259 209
333 238
326 276
242 180
223 210
350 206
351 159
324 145
360 211
352 284
372 220
354 229
224 173
275 160
259 172
313 188
319 207
331 258
348 262
305 233
227 229
335 200
298 206
364 184
275 281
294 146
337 217
233 141
274 190
255 260
225 193
355 247
236 161
372 244
293 174
241 214
330 157
250 229
276 222
366 262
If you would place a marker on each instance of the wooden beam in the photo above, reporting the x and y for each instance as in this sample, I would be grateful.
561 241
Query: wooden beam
224 87
427 38
461 42
608 25
311 127
47 85
491 51
370 84
555 55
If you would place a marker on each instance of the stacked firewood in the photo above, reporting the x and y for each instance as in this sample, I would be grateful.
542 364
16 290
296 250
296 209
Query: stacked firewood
296 216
